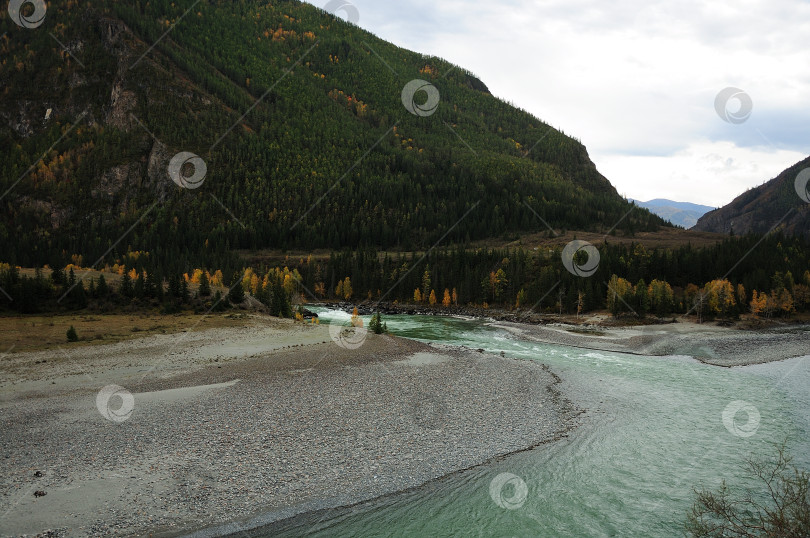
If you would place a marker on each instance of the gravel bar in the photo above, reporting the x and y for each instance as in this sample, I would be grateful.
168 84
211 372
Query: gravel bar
240 427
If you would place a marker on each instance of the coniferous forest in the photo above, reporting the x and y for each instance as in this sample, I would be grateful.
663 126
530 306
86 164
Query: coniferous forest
299 120
301 127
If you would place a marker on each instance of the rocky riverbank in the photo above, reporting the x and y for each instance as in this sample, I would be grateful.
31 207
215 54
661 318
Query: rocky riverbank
708 343
266 421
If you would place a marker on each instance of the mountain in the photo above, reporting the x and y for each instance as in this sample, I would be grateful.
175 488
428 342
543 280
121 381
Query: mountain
291 128
775 204
680 213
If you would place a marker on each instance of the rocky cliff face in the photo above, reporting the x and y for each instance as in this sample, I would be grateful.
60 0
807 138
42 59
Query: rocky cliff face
101 94
773 205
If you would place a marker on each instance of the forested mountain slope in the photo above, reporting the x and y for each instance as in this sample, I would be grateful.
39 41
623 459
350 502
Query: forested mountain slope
299 120
779 203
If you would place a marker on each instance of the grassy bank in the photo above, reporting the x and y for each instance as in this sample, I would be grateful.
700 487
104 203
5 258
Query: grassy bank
41 332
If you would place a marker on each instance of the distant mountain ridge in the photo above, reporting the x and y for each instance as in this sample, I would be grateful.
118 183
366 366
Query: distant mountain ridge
684 214
760 209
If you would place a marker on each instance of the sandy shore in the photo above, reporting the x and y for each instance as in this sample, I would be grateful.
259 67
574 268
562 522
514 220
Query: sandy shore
248 425
707 342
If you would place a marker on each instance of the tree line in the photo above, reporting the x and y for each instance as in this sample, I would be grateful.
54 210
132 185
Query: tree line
202 291
767 276
764 275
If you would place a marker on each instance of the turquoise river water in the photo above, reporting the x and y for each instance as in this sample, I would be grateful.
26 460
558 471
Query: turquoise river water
654 429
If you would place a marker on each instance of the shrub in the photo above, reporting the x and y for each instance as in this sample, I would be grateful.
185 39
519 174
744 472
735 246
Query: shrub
780 508
376 324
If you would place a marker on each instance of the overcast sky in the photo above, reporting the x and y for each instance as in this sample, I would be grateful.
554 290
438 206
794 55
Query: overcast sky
635 80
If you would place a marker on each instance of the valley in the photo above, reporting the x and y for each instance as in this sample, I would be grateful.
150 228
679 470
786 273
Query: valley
271 268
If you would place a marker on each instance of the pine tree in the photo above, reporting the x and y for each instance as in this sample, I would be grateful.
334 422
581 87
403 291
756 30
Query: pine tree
139 289
102 290
76 298
642 298
125 288
218 304
174 286
236 295
58 276
184 293
205 286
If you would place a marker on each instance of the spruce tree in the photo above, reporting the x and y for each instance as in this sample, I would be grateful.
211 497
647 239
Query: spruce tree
126 289
236 295
102 289
139 289
375 325
58 276
184 294
205 286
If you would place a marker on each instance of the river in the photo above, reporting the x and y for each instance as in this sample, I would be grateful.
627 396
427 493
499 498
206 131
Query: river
653 429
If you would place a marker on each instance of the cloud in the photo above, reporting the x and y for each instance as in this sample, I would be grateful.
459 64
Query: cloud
705 172
630 79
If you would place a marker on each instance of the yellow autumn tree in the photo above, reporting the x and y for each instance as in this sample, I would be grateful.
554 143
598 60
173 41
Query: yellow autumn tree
347 288
618 295
784 302
339 289
741 295
521 298
758 303
417 296
661 297
357 321
455 297
446 299
801 296
288 283
719 297
246 279
432 298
